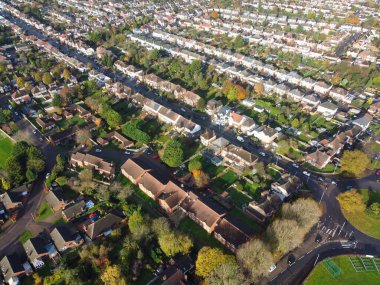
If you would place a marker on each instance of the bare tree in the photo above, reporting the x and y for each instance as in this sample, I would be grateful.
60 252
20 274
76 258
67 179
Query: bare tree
83 136
255 258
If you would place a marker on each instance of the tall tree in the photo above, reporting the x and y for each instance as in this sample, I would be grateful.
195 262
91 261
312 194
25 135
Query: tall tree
47 79
209 259
354 163
255 257
173 153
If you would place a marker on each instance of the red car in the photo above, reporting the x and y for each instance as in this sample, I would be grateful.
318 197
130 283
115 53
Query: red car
377 172
156 156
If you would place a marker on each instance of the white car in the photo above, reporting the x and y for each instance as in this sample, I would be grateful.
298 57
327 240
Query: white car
240 139
296 165
333 182
127 152
34 131
47 175
272 268
306 173
262 154
98 150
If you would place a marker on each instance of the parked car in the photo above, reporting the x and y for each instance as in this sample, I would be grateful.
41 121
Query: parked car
156 156
47 175
291 259
296 165
377 172
272 268
240 139
306 173
127 152
98 150
262 154
349 187
34 131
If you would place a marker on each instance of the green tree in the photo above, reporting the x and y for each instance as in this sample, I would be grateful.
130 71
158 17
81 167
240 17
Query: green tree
174 243
30 175
173 153
61 180
201 104
20 82
112 275
47 79
195 164
209 259
66 74
239 42
351 201
57 101
295 123
375 208
6 185
138 225
354 163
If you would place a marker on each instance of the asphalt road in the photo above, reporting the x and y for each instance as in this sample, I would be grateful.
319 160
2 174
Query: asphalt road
327 196
10 237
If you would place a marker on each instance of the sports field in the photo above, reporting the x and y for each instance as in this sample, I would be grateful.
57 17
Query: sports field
6 146
341 271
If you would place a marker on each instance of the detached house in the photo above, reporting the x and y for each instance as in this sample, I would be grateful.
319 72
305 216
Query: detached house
12 268
65 237
15 198
38 249
318 159
213 106
73 209
265 134
266 207
56 199
238 157
102 226
207 137
286 186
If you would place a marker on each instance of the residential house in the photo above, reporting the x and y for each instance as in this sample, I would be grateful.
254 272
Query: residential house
363 122
265 208
231 233
72 210
13 268
222 116
93 162
21 96
56 199
170 276
318 159
171 197
101 227
322 88
65 237
339 94
213 106
45 124
236 120
327 108
265 134
311 100
375 109
218 145
38 249
207 137
286 185
203 211
133 170
123 141
188 97
15 198
239 157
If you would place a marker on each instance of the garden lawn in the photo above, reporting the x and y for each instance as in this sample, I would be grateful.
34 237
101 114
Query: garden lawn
237 198
348 275
247 221
44 211
221 184
363 221
198 234
6 146
252 189
25 236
